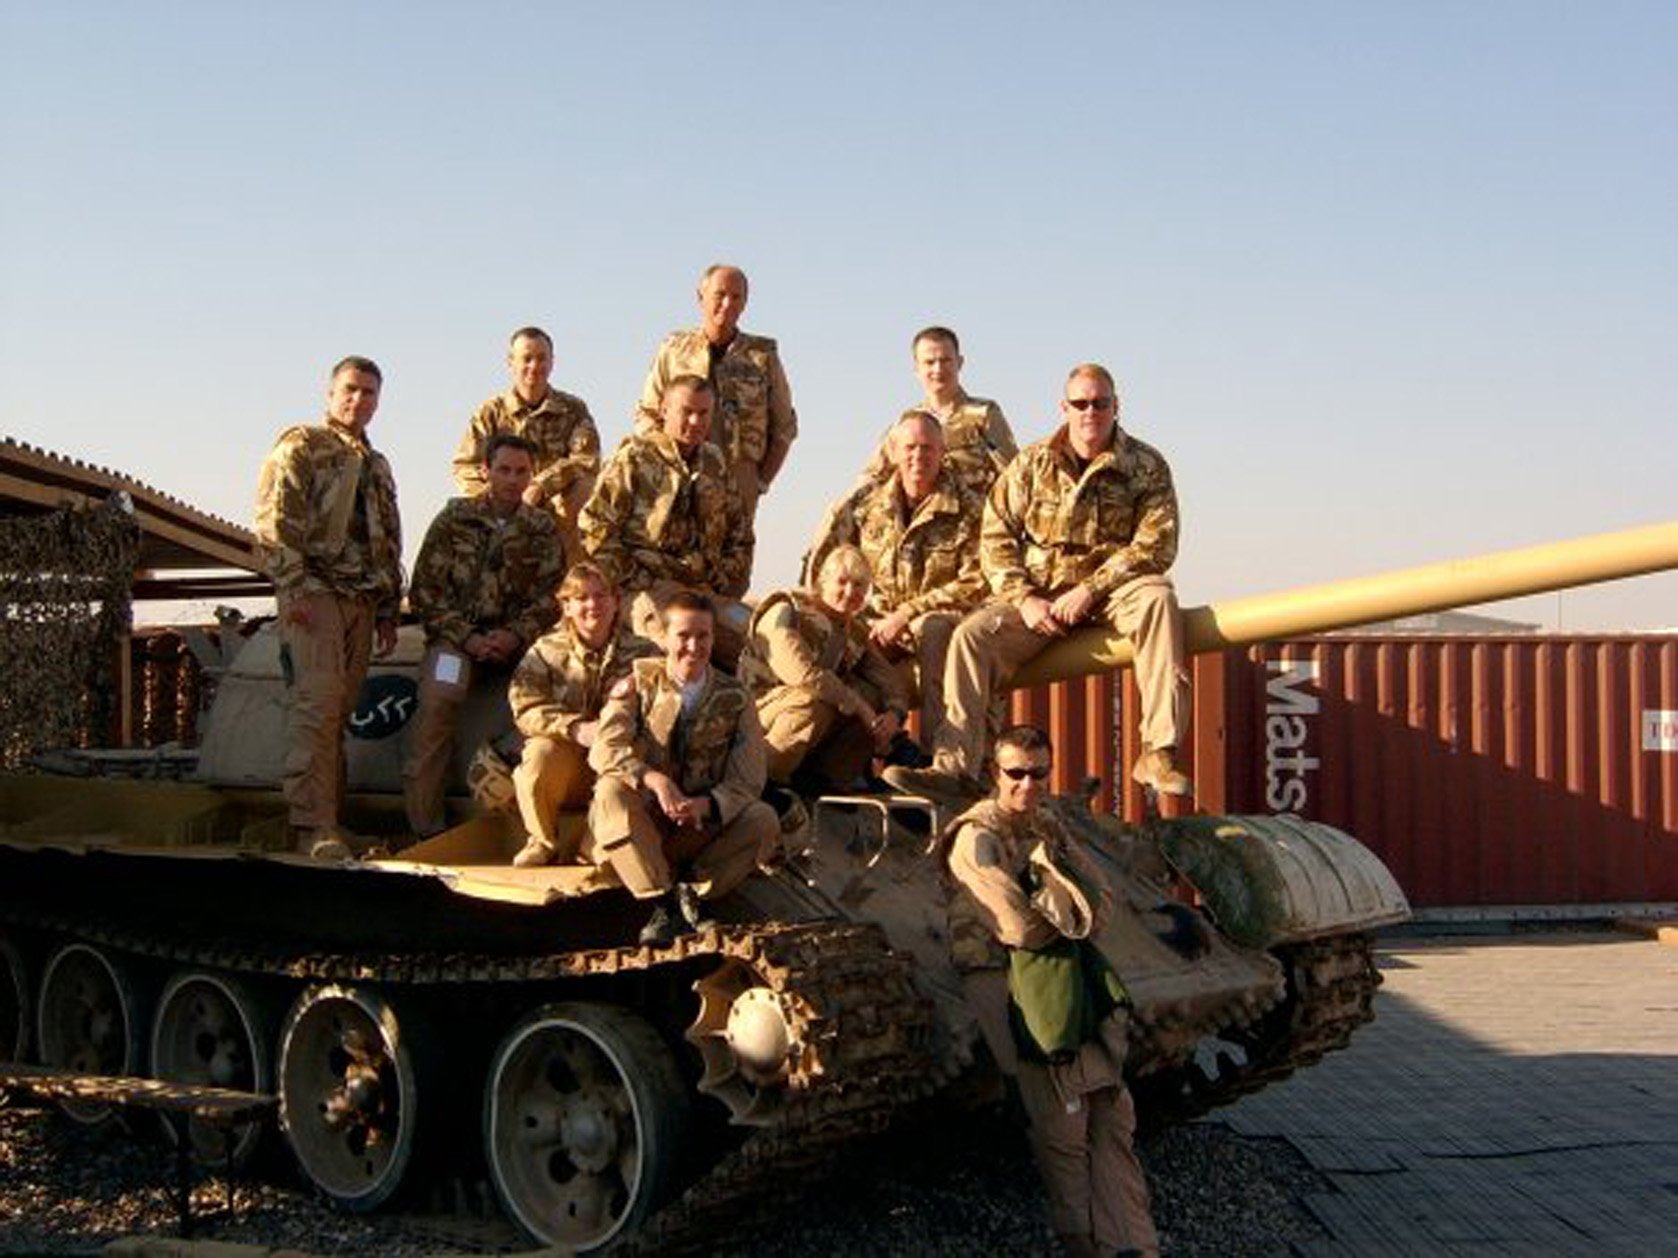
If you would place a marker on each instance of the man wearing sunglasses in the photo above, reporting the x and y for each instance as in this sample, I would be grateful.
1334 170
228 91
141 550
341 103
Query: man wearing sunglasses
1080 527
1028 900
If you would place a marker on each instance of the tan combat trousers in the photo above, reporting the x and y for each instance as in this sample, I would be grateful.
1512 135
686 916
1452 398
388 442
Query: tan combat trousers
1084 1146
646 606
329 660
425 769
750 484
627 831
552 776
1082 1126
921 667
801 730
993 642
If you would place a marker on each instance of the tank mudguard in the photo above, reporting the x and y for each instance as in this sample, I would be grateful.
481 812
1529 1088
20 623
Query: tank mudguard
1276 880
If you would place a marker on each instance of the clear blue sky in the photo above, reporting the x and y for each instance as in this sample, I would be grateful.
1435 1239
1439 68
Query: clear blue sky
1388 283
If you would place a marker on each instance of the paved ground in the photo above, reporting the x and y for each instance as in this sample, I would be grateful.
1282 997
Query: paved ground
1515 1095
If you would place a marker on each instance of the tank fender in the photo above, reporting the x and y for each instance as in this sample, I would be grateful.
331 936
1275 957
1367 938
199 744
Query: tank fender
1276 880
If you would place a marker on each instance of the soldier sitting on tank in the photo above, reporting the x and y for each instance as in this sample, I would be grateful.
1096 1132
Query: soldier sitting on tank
666 515
556 694
919 532
978 443
483 589
679 753
828 700
558 425
1027 904
1081 527
331 540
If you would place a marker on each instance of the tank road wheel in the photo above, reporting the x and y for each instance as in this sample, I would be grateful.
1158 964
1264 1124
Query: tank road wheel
90 1020
744 1034
584 1113
14 1002
350 1090
212 1029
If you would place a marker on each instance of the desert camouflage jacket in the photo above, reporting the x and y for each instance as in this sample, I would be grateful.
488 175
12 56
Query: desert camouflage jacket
927 562
795 641
567 443
560 682
326 517
754 420
1048 527
477 571
1010 891
717 749
978 444
654 515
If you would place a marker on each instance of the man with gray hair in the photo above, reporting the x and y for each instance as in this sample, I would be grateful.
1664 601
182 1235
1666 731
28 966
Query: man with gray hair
331 539
919 531
755 423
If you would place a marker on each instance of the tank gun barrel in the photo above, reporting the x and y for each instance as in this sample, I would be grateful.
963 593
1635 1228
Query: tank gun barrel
1362 600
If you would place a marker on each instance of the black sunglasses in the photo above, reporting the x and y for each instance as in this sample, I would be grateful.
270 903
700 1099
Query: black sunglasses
1037 773
1084 403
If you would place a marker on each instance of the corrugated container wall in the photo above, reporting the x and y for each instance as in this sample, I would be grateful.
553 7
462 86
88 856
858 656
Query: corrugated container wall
1484 771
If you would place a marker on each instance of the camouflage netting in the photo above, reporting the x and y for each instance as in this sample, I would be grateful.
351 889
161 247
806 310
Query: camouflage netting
64 599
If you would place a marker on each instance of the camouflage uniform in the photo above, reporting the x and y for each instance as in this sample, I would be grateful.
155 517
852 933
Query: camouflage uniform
925 561
754 424
814 676
978 443
1082 1119
560 684
657 522
715 749
1048 527
476 571
567 451
331 539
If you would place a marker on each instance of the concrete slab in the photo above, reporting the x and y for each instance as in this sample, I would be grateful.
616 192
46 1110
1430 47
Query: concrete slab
1514 1095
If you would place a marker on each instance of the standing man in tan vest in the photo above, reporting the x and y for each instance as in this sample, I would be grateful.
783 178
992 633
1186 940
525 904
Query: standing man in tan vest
755 423
327 524
558 424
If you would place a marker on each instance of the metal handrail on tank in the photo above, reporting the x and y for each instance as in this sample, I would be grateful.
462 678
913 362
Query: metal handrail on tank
1363 600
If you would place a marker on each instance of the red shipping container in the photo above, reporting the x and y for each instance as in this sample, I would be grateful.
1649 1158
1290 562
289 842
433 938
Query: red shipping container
1486 771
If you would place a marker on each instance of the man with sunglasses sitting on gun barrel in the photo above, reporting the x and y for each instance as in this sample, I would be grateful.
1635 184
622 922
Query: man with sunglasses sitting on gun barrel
1081 526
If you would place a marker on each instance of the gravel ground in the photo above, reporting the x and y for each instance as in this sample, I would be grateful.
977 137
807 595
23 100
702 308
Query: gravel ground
939 1184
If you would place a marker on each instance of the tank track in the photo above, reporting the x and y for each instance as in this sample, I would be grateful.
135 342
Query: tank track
863 1029
1331 992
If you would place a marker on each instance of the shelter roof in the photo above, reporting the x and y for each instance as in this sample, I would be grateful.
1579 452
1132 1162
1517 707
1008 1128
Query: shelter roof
185 553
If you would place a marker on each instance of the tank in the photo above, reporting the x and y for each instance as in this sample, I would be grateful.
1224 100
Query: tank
437 1018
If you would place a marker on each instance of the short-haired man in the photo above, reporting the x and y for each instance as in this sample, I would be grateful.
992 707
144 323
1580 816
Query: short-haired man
828 700
556 693
1081 526
677 810
483 590
978 443
331 539
1028 902
666 515
919 532
557 424
755 422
